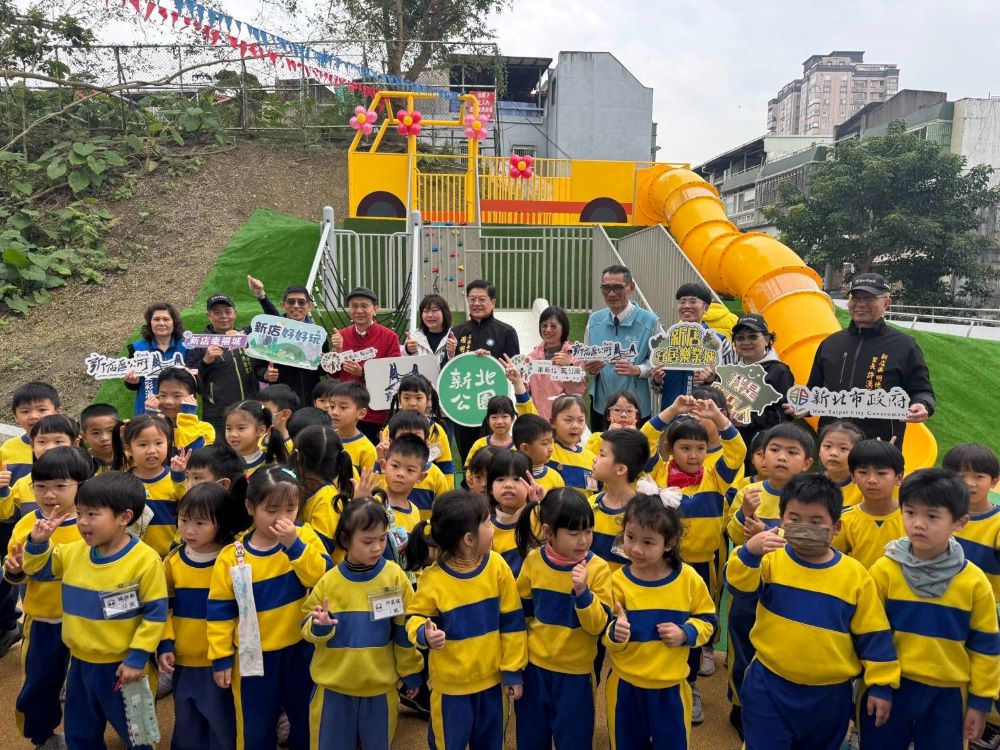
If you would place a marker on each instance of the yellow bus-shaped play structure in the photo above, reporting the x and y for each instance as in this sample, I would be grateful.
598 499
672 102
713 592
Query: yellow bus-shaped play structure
768 276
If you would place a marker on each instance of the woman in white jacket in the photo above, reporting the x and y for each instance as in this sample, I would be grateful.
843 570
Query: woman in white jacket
431 336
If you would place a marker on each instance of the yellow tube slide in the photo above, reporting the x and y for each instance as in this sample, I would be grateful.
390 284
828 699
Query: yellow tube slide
766 274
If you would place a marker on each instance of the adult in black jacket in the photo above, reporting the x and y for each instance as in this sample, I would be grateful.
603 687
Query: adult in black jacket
226 377
870 354
481 332
753 344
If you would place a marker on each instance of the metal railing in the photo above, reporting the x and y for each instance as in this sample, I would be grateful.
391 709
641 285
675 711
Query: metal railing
934 313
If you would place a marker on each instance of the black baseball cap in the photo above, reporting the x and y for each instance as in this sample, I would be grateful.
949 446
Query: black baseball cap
694 289
873 283
219 299
752 322
363 291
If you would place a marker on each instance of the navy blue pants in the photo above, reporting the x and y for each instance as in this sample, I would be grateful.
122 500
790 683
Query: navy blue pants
647 718
555 706
473 721
782 715
44 660
930 717
348 722
707 572
204 718
742 616
8 593
286 684
92 702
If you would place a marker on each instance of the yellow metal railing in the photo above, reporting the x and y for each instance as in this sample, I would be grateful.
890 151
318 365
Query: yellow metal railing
540 199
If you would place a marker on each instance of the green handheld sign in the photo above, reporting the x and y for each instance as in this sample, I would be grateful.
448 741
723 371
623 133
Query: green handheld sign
466 385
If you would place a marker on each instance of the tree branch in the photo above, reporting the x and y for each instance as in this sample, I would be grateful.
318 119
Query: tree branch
94 90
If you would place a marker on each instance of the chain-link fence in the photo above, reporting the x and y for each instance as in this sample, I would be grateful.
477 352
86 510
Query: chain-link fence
273 95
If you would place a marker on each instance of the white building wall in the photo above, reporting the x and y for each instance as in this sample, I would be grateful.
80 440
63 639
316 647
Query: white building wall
975 133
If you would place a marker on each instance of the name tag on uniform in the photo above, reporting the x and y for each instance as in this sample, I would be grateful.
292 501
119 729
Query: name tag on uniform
435 453
591 482
120 602
385 604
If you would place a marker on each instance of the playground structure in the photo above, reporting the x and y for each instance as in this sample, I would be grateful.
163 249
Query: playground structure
553 232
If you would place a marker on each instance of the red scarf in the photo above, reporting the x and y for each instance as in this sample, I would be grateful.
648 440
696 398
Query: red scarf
681 479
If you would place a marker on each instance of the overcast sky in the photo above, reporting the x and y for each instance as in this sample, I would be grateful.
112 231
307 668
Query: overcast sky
713 64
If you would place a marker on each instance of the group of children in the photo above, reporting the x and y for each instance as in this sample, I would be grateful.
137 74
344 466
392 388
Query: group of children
292 573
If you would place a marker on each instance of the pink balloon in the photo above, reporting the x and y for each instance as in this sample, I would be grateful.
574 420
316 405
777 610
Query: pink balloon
514 159
402 130
468 120
372 115
359 109
527 173
416 117
514 172
367 128
414 129
354 123
528 159
401 114
470 133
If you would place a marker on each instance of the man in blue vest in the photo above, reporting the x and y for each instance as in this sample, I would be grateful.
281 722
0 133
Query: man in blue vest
630 326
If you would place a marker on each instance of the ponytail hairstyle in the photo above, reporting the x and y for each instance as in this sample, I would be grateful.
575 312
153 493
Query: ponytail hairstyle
268 481
319 457
480 463
505 463
656 514
362 514
561 508
454 514
498 405
125 432
261 416
417 383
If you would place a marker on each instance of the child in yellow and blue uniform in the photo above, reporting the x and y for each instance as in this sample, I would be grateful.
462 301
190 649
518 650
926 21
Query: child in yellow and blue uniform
819 625
468 613
44 657
347 404
354 618
52 431
249 432
866 528
203 712
114 602
620 459
532 436
836 441
142 449
434 482
944 624
500 414
507 491
622 412
566 596
663 611
325 470
285 560
978 467
405 465
177 401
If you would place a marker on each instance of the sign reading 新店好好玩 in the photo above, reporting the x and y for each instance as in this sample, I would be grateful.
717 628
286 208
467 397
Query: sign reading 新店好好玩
286 342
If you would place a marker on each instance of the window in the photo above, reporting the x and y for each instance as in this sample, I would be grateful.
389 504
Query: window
524 151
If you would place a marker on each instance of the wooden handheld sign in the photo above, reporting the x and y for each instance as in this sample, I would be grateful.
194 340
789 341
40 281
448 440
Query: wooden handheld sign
857 403
382 376
466 385
286 342
746 390
685 346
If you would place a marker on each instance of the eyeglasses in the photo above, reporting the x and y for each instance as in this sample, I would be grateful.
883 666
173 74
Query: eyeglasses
612 288
479 300
623 411
550 325
40 488
296 302
688 301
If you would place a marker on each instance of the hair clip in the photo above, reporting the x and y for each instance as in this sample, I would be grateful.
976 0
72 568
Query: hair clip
427 530
669 496
290 473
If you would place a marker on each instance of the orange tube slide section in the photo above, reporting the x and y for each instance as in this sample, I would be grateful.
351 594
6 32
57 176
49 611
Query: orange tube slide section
765 274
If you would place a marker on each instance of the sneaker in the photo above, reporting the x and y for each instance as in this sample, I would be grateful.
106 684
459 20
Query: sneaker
854 740
284 727
165 686
697 712
9 638
55 742
707 667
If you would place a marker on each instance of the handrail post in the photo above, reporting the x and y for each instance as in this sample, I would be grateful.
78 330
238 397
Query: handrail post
415 227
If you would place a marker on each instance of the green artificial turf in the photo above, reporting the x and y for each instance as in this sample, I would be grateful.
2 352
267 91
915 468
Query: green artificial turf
275 247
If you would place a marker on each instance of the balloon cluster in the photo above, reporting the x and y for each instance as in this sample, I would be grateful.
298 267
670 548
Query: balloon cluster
475 127
409 122
364 119
520 166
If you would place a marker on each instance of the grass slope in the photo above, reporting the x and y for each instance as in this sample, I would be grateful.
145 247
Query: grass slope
273 246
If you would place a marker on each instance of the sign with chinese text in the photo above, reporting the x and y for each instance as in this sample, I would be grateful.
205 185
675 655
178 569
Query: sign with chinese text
857 403
558 373
685 346
746 390
609 350
334 361
382 376
487 103
466 385
286 342
143 364
205 340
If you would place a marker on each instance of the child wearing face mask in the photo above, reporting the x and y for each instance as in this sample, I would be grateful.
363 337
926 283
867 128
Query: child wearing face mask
819 624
